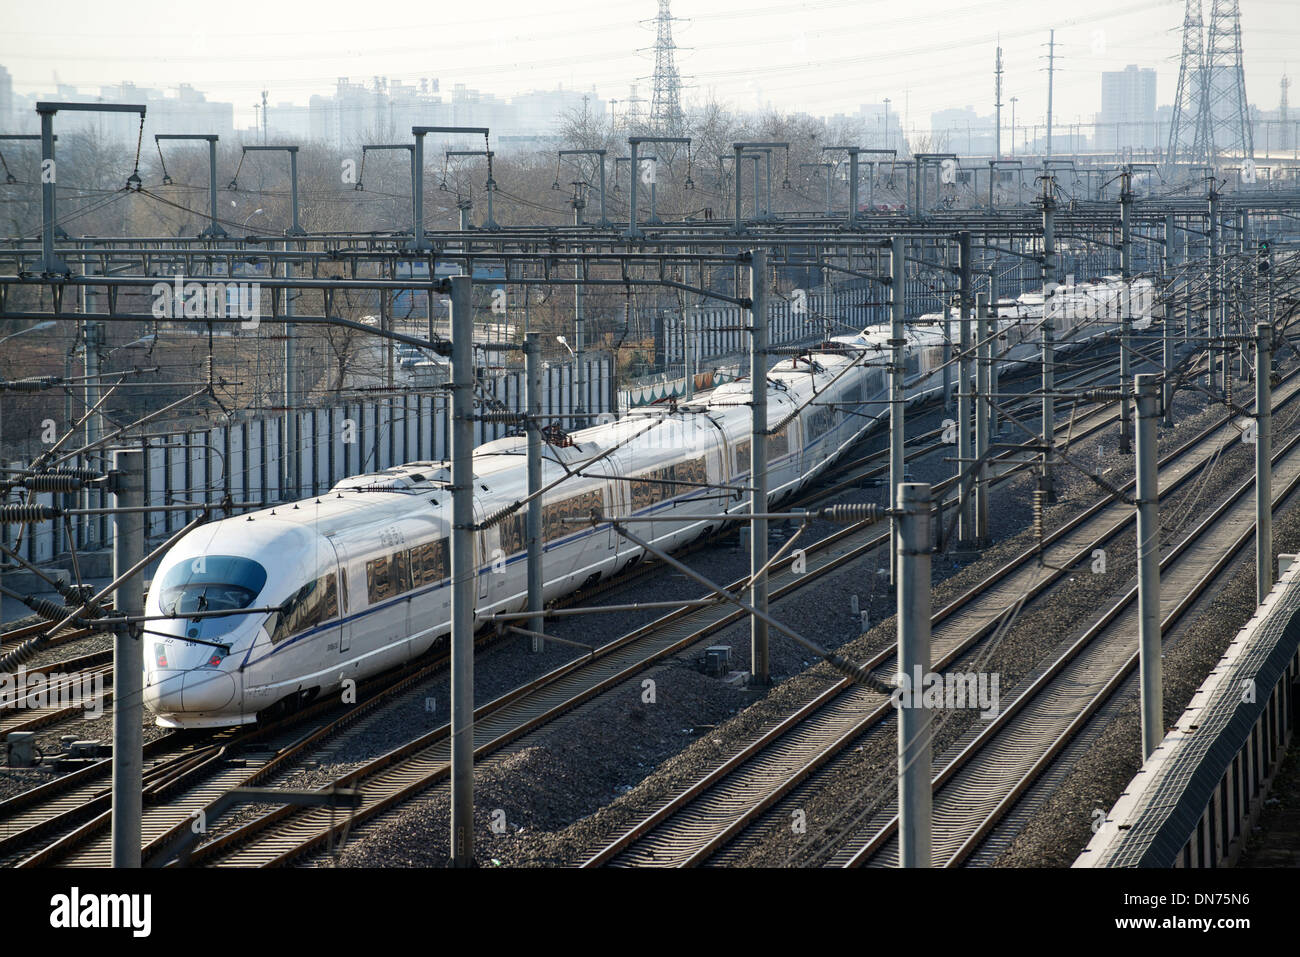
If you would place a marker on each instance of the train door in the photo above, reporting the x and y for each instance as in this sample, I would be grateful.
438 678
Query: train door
345 626
484 547
612 506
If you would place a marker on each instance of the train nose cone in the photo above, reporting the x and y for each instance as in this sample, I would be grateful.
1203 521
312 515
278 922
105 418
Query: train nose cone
207 690
162 692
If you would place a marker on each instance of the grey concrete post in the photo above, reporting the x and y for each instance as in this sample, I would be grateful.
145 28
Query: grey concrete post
533 521
965 445
759 664
914 746
1263 460
853 187
1212 304
632 191
128 659
897 342
1167 330
1148 546
1125 310
1049 342
50 263
464 573
982 386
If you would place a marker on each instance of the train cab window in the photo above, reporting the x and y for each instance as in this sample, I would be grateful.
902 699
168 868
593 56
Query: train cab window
211 583
313 603
428 563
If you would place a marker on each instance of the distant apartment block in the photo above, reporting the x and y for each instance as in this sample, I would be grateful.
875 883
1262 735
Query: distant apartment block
1128 110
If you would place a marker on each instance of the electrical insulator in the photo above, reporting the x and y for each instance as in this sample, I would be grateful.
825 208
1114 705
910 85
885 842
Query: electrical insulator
30 385
1040 501
53 483
851 513
858 673
51 611
27 514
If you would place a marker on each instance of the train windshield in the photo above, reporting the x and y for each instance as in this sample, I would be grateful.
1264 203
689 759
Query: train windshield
211 583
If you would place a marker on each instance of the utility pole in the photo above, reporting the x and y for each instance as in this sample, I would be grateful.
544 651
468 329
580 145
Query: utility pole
1051 74
1212 304
579 336
965 452
760 666
464 573
1148 544
1167 330
1125 307
997 103
1014 101
982 386
912 558
127 484
93 331
1263 461
264 117
897 342
1049 345
533 519
994 346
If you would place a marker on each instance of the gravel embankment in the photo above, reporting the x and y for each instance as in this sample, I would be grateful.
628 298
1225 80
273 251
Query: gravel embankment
606 785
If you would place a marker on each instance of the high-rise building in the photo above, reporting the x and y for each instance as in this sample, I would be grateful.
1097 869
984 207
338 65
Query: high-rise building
6 101
1128 109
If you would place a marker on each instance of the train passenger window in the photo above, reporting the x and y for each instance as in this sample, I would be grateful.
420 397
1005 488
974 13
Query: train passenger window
643 494
378 580
514 533
387 576
400 565
313 603
778 445
428 563
742 455
579 506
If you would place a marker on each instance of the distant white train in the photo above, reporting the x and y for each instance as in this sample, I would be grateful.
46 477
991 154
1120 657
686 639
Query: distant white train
361 574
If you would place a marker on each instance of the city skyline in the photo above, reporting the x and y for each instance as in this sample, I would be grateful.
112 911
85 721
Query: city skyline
817 67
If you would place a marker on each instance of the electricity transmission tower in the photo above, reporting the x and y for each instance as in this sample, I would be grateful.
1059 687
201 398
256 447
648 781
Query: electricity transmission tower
666 104
1227 114
1211 115
1186 137
1284 140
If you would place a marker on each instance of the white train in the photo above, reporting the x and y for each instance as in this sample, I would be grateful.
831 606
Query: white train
360 573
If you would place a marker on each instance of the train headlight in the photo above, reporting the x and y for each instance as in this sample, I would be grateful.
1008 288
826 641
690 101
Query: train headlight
160 655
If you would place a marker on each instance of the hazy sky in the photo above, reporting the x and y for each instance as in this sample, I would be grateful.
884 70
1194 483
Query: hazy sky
820 56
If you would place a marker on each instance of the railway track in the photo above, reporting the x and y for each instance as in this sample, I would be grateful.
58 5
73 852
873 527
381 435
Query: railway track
283 835
700 821
184 768
995 767
189 772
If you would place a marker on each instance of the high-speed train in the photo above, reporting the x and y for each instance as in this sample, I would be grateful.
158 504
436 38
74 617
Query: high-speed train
356 580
